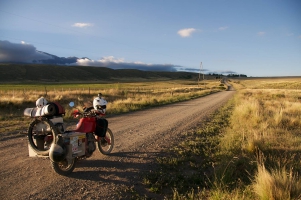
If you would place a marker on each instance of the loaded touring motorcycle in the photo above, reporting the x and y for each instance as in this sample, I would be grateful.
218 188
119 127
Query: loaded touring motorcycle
47 136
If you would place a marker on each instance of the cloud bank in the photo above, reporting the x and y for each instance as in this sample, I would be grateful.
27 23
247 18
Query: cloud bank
120 63
20 52
27 53
223 72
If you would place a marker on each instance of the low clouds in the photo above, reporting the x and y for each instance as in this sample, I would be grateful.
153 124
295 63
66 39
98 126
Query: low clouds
27 53
223 72
186 32
120 63
82 25
19 52
187 69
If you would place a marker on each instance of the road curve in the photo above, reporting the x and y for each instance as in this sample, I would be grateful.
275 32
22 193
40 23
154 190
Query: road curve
139 138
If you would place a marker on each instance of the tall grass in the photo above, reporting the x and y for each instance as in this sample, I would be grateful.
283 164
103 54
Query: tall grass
250 149
276 184
266 122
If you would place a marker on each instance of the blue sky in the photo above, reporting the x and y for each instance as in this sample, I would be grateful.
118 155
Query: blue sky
252 37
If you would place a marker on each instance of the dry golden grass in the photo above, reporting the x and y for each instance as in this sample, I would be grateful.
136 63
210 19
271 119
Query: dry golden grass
277 184
266 120
249 150
121 97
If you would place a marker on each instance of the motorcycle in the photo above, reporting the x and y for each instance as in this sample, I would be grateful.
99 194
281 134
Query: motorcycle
48 137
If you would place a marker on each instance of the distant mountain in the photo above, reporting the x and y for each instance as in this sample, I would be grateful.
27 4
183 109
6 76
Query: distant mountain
55 60
19 72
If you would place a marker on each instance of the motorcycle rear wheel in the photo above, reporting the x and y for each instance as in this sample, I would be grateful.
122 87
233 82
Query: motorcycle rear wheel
64 167
105 145
42 146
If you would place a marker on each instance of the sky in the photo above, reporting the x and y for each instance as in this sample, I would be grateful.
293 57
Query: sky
252 37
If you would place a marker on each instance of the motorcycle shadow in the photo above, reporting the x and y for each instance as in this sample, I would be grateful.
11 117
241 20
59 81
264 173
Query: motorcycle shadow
115 167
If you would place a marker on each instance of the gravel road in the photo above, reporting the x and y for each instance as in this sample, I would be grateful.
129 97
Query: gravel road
139 138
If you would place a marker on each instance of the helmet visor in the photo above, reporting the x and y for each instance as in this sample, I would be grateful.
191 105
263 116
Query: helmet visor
101 107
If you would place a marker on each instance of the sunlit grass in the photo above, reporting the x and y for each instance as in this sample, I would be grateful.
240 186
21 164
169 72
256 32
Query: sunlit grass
249 150
277 184
267 121
121 97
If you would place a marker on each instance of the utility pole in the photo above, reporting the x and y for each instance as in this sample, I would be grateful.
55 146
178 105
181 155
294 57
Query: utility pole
201 71
199 75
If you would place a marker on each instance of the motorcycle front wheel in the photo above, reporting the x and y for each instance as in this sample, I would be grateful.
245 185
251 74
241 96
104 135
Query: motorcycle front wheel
41 135
105 145
64 167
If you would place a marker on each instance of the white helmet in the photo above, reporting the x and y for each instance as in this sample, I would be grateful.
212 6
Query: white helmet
100 104
41 102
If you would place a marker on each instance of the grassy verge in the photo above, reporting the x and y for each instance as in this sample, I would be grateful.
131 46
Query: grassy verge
249 149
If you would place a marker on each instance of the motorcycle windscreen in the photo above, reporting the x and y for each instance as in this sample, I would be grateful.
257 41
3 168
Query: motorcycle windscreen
86 125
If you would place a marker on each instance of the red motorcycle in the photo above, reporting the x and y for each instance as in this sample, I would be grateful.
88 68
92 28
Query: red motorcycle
47 137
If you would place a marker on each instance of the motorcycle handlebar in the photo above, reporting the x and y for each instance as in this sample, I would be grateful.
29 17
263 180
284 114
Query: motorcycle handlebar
85 113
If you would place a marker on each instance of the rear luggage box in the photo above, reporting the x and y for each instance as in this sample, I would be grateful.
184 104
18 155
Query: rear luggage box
75 143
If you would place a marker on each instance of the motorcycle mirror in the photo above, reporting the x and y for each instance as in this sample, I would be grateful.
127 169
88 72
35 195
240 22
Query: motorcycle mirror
71 104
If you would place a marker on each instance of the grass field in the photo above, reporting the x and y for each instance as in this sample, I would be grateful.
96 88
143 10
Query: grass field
250 149
121 97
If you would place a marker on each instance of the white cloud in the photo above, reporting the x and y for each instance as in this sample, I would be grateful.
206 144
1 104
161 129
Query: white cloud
82 25
223 28
299 36
261 33
111 59
186 32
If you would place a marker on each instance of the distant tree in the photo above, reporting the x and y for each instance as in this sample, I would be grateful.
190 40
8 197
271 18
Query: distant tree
237 75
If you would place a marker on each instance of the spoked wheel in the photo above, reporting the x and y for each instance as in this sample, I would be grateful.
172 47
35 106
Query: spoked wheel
41 135
64 167
105 144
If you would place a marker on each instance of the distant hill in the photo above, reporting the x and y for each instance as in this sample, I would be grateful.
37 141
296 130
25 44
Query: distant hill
55 73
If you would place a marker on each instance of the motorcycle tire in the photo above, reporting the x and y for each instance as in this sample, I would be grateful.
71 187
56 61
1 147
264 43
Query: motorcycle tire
32 135
105 145
63 168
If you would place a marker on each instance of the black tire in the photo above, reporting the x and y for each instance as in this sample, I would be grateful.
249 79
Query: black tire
63 168
103 146
33 134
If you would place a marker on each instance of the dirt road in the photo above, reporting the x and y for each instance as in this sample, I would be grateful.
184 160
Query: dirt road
139 138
